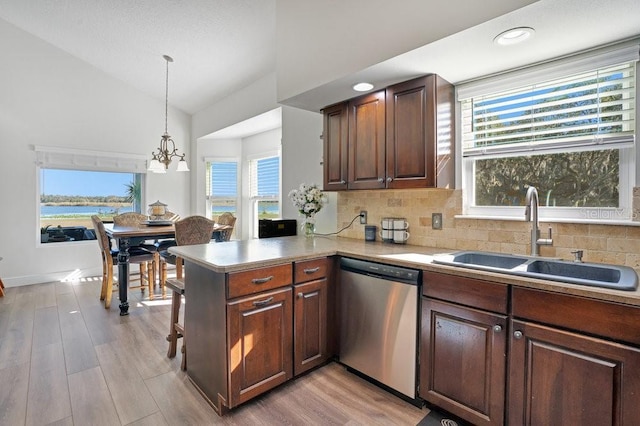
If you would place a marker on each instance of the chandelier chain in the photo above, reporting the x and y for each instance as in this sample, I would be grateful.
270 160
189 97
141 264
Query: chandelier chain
166 98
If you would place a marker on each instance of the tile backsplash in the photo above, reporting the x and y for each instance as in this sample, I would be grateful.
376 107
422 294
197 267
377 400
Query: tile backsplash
616 244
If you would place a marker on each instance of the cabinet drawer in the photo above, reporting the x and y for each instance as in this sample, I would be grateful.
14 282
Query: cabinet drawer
310 270
256 280
466 291
608 319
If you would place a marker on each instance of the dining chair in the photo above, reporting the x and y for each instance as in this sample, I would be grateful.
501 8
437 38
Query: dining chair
142 257
226 219
133 219
190 230
165 243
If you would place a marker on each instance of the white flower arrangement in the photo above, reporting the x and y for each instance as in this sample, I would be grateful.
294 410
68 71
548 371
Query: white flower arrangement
308 199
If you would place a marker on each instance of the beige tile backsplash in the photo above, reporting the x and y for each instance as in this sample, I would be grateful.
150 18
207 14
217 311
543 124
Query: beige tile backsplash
614 244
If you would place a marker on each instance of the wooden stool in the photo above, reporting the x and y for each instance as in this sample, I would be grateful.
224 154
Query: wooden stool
176 330
1 286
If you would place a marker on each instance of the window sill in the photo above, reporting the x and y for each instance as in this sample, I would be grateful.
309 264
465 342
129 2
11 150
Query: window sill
627 222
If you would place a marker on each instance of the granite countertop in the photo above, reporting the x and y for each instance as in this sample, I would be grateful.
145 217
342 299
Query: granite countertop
233 256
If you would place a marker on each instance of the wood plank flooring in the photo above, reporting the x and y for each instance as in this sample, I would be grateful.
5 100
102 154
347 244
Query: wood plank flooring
65 360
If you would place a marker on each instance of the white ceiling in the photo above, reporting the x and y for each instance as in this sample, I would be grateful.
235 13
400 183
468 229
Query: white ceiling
220 46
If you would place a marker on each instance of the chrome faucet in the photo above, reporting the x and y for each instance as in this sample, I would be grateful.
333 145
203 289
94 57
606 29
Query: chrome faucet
531 214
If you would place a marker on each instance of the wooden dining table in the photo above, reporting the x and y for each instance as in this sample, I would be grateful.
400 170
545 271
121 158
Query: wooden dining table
124 236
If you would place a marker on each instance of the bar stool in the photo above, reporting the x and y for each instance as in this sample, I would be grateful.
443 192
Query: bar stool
176 330
1 286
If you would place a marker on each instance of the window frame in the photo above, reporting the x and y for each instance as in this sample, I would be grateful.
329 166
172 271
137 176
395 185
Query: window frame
255 199
537 74
211 199
60 158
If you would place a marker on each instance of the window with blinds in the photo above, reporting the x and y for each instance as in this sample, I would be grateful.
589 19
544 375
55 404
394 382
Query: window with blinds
570 135
222 187
265 187
594 109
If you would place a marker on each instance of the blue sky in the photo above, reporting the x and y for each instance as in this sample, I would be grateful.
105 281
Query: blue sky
74 182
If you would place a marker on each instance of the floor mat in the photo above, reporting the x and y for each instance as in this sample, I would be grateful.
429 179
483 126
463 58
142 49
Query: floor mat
436 418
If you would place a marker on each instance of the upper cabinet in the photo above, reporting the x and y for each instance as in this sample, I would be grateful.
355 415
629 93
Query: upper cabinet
400 137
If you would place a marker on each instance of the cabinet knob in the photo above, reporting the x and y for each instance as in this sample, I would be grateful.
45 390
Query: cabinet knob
517 334
300 295
497 328
343 182
380 180
389 179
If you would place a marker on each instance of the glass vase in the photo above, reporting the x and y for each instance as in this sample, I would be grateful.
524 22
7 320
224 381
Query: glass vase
308 228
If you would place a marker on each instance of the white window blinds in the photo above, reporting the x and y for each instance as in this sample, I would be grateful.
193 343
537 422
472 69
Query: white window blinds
589 110
265 177
222 179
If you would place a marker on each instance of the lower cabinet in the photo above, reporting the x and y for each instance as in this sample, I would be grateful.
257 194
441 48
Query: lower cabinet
463 347
260 343
252 330
463 361
559 376
310 325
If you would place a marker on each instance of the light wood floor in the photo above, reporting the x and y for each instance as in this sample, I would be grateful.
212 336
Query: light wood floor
65 360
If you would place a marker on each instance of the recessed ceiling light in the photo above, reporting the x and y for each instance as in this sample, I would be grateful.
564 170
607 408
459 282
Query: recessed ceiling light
513 36
362 87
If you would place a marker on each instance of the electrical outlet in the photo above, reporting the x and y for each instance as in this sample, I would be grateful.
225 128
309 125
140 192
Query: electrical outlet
436 221
363 217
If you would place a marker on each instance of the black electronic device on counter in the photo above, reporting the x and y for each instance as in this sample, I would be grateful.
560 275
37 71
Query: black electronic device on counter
269 228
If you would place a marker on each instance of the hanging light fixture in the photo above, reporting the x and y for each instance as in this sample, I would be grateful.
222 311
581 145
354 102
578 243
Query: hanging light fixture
161 159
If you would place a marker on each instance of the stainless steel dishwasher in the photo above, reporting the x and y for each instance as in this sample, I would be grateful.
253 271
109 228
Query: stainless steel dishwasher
379 322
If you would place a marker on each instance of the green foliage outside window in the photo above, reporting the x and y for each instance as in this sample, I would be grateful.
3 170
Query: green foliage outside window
578 179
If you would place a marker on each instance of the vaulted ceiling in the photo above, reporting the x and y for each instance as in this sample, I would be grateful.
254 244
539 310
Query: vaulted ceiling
221 46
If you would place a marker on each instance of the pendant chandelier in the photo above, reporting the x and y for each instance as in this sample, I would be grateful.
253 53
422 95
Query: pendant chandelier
161 158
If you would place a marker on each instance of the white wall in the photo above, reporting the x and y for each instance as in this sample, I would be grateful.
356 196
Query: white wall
301 163
301 144
50 98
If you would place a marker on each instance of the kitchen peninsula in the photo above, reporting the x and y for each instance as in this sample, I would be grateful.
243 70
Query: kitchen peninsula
261 312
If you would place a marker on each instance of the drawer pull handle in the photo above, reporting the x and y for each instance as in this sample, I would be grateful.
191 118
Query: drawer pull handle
263 302
311 270
262 280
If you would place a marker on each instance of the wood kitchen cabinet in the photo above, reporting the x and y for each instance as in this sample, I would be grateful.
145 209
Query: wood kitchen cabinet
240 332
420 134
400 137
252 330
335 135
260 343
463 347
310 314
366 159
562 372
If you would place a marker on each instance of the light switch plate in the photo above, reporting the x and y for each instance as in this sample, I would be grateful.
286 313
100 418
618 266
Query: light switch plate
436 221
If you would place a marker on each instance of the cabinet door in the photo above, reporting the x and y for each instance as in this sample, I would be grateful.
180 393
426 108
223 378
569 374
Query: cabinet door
463 361
409 141
420 138
366 142
558 377
310 325
335 135
260 344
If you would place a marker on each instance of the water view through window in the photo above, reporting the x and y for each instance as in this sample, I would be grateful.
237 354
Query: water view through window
68 199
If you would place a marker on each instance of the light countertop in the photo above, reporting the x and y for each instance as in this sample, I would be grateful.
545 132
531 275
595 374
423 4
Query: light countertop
233 256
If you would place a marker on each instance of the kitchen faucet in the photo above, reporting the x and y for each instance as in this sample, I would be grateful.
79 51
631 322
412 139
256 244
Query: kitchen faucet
531 214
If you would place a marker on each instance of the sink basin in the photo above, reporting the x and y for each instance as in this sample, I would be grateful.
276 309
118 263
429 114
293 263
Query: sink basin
488 260
591 274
